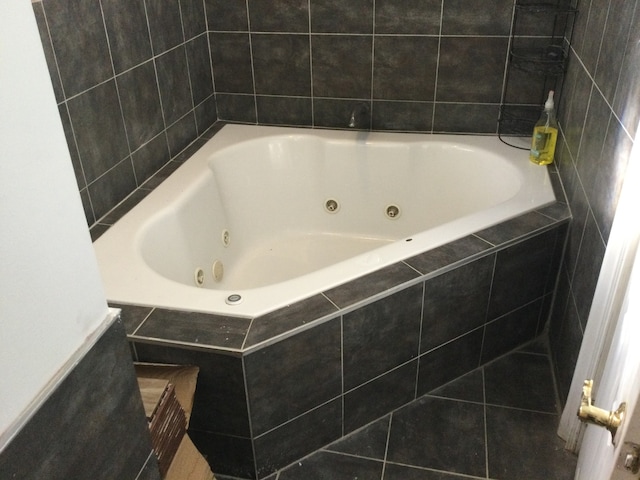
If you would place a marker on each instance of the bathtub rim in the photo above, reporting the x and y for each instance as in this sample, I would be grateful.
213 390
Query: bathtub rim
249 308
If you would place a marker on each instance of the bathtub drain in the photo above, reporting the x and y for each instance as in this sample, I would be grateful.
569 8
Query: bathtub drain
233 299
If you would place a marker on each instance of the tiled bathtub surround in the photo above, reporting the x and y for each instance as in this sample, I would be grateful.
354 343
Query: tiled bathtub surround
134 87
428 65
137 81
92 426
275 388
600 113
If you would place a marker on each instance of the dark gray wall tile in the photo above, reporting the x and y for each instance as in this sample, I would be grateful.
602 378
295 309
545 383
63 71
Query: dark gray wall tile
165 24
128 33
87 207
521 273
138 92
329 112
629 81
284 110
488 17
131 315
279 16
450 423
459 78
105 417
449 361
610 60
332 465
567 347
510 331
281 64
131 201
403 116
71 143
465 117
371 284
106 124
239 108
598 115
509 430
181 134
296 439
506 386
595 28
447 254
341 66
149 158
587 270
384 394
335 16
412 16
226 453
45 38
199 68
405 68
173 80
514 228
381 336
227 15
112 187
456 302
189 327
97 122
370 441
469 387
78 35
577 110
298 382
194 20
206 115
231 60
284 319
151 470
606 183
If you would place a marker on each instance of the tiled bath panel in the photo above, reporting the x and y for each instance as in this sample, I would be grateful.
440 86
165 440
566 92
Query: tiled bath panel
92 426
274 388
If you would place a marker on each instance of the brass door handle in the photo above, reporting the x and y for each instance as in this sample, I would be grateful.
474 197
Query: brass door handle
588 413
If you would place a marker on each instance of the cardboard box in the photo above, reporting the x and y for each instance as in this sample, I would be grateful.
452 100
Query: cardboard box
167 382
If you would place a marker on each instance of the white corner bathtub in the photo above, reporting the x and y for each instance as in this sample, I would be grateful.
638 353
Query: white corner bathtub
278 214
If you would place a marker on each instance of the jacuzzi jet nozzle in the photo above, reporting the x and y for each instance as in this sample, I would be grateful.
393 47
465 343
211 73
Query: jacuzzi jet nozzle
331 205
393 211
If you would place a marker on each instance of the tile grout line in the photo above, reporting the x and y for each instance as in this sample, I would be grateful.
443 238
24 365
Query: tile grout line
484 410
386 446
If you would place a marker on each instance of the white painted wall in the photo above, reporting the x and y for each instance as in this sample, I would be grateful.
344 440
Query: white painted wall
51 295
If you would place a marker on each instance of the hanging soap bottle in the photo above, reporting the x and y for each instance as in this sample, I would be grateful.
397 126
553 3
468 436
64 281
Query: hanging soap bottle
545 135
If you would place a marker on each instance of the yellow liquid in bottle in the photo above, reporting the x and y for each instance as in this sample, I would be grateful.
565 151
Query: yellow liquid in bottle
543 145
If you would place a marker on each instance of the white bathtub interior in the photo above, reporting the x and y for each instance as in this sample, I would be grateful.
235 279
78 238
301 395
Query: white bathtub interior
253 203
